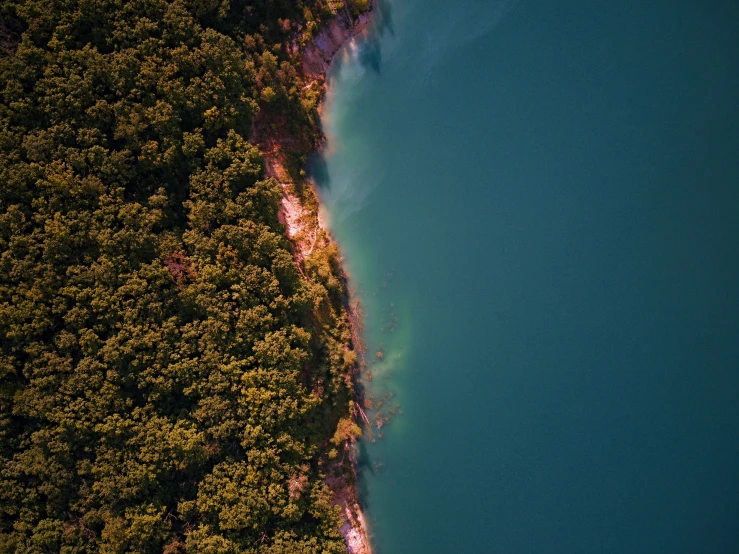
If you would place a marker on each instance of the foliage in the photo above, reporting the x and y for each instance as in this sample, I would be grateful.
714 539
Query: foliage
359 6
169 382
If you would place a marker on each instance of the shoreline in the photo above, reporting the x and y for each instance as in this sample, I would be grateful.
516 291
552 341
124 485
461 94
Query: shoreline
300 213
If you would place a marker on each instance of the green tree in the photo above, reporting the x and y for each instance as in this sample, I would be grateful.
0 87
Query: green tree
166 371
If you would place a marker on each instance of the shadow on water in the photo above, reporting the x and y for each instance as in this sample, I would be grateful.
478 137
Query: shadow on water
384 17
369 56
364 464
369 52
318 170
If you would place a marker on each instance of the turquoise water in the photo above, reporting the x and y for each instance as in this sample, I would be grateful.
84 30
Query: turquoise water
538 203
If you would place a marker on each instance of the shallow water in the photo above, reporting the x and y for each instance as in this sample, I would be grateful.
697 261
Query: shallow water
538 203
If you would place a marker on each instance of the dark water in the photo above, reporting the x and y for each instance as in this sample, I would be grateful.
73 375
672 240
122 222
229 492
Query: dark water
539 204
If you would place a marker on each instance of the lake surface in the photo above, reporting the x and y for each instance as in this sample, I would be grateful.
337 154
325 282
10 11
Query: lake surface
538 203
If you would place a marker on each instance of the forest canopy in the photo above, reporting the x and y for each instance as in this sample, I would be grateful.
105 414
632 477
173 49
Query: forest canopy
169 381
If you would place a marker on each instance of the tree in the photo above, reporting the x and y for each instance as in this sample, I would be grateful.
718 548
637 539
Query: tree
161 355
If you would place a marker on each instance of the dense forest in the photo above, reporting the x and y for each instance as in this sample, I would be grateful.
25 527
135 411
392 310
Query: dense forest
170 380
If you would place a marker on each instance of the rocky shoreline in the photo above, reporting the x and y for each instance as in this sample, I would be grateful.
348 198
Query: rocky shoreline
300 214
